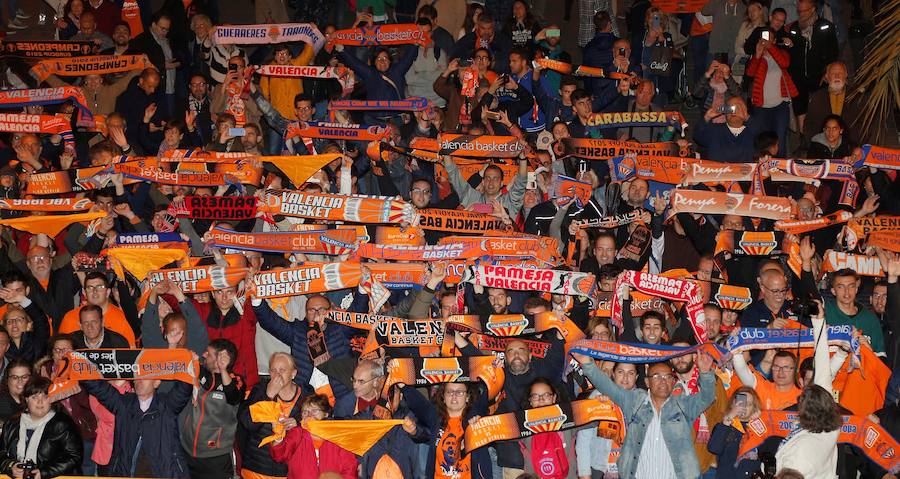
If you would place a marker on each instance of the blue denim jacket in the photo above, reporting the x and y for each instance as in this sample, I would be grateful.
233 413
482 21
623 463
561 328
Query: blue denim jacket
677 417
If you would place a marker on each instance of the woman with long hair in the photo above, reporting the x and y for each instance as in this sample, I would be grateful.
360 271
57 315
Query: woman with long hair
308 455
725 440
41 437
522 27
17 374
811 449
546 454
473 11
596 454
453 406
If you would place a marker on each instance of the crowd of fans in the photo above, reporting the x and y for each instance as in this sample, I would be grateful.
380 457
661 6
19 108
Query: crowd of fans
769 80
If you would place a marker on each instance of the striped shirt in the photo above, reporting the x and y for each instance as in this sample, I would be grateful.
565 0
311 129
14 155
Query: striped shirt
655 462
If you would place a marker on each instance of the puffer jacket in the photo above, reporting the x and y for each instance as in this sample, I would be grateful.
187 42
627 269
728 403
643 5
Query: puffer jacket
156 429
207 428
677 418
59 452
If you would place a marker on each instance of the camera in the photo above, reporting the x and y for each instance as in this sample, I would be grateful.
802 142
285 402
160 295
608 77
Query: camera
727 109
465 62
805 306
28 467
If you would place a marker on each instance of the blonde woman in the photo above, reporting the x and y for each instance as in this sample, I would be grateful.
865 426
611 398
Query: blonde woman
743 406
756 17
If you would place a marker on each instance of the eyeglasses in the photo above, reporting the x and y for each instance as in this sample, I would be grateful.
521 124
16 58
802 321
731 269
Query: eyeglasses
421 191
361 381
541 397
24 377
783 369
16 319
96 287
39 258
661 377
777 291
459 393
62 350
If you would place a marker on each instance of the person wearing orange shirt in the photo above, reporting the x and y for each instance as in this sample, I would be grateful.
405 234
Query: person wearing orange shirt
782 391
97 292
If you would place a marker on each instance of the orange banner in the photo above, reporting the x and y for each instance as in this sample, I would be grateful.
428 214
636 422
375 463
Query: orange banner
557 417
796 227
428 371
91 65
50 225
199 279
330 242
860 432
709 202
324 206
542 247
475 146
597 149
322 277
880 157
637 119
889 240
66 205
863 265
388 34
25 123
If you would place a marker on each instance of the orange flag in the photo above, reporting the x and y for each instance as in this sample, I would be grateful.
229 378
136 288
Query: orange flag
356 436
301 168
141 261
50 225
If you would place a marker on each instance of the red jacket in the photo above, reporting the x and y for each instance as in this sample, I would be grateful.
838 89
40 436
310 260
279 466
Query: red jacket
298 452
242 333
758 67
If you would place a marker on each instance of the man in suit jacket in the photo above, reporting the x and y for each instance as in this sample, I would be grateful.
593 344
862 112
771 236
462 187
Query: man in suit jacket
92 334
835 100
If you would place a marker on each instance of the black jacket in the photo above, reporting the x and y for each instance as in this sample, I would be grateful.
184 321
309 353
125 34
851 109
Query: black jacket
258 459
59 453
146 44
111 340
157 428
33 344
809 58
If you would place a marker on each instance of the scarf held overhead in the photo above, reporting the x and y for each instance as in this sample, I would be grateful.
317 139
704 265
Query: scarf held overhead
708 202
389 34
860 432
528 279
671 289
330 242
428 371
557 417
324 206
269 33
92 65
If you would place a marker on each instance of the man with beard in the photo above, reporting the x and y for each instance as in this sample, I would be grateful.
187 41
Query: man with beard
521 371
121 37
685 367
198 103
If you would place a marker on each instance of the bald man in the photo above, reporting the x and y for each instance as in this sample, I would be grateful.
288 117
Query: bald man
133 104
732 141
52 289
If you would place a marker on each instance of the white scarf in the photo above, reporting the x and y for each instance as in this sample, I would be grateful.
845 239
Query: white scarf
25 424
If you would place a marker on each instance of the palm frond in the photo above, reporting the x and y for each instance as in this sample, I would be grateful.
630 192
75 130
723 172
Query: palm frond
877 81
